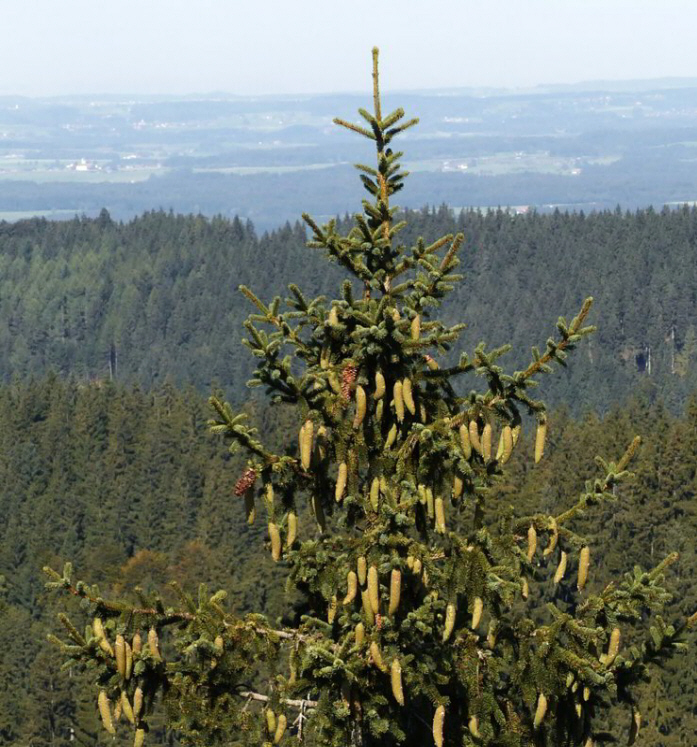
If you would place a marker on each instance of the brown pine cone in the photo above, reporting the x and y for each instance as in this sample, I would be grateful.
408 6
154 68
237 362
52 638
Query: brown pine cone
348 377
245 482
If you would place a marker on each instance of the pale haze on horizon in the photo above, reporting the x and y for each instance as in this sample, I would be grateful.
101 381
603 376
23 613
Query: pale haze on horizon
143 47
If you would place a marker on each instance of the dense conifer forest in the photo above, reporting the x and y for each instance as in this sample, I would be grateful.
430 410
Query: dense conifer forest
114 331
157 297
129 483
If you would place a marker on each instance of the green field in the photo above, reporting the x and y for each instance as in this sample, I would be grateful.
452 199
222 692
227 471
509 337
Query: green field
43 175
502 164
13 215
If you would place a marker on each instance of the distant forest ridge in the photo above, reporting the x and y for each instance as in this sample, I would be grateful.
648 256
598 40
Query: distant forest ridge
156 297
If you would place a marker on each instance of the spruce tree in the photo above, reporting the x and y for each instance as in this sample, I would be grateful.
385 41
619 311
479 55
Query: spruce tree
417 616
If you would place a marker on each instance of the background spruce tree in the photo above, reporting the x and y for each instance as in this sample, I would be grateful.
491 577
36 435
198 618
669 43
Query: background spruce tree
414 582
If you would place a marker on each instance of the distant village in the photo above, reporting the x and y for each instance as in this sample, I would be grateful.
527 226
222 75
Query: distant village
134 163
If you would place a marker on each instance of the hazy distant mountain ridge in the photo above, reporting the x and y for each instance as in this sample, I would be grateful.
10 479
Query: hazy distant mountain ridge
590 145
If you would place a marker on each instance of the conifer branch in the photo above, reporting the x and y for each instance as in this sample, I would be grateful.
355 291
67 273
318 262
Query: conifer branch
628 455
234 428
163 616
513 387
400 128
247 293
602 489
447 260
81 591
391 119
290 335
568 339
354 128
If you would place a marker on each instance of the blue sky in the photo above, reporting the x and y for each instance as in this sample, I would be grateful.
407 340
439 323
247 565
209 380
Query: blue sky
54 47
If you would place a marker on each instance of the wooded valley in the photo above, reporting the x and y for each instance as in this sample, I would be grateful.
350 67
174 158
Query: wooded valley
116 331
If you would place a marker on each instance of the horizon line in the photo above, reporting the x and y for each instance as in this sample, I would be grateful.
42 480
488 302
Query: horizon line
666 82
